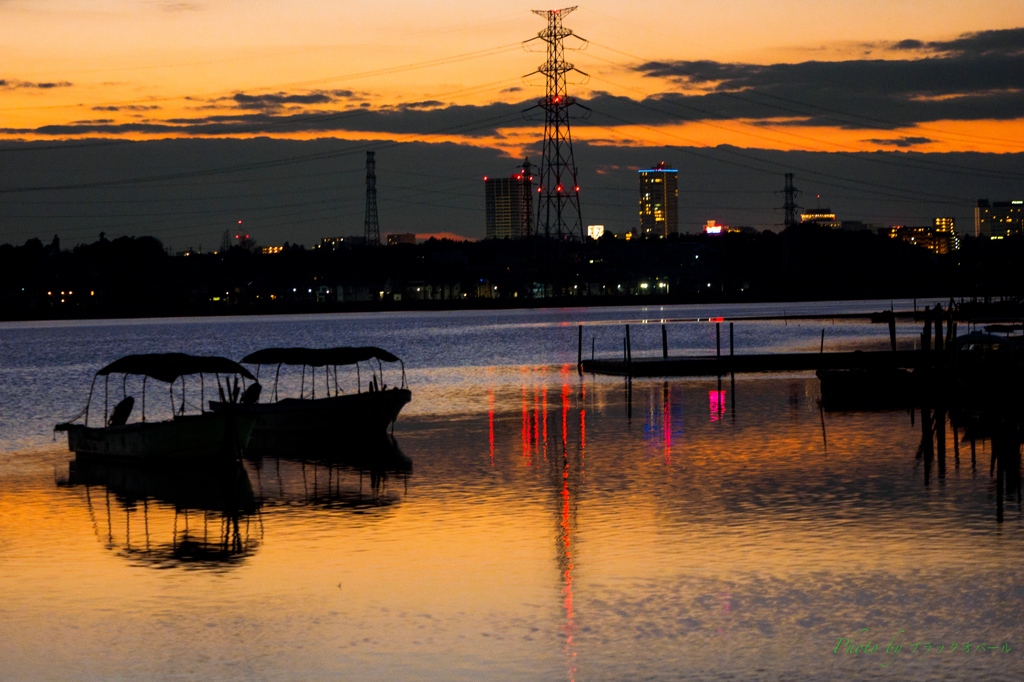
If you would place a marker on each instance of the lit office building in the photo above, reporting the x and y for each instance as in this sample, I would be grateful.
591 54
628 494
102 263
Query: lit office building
509 206
659 201
821 216
999 219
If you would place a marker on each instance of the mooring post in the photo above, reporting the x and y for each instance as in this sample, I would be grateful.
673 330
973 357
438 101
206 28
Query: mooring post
730 361
664 342
892 331
822 349
593 342
718 340
579 350
629 353
926 337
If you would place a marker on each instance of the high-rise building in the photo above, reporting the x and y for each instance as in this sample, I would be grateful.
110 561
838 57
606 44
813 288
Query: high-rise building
509 206
821 216
402 238
948 226
932 238
999 219
659 201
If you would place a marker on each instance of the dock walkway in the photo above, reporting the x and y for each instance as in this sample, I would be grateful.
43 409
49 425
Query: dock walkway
689 366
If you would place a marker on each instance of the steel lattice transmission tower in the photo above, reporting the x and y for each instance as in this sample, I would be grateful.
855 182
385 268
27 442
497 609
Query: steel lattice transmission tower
372 226
790 206
558 208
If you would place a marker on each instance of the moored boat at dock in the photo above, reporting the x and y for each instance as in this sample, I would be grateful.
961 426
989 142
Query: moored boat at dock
287 424
204 436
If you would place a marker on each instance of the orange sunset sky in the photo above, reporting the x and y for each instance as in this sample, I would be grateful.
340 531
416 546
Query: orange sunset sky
93 68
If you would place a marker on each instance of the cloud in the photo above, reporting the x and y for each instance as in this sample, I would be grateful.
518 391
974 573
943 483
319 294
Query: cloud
174 7
425 104
126 107
901 142
514 88
279 100
14 84
976 76
973 77
1008 41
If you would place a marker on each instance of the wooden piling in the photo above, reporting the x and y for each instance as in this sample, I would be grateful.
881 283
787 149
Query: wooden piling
732 371
822 349
629 352
718 339
892 331
579 350
664 342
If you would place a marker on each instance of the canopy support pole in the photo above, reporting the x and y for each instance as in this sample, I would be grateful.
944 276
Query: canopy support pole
89 402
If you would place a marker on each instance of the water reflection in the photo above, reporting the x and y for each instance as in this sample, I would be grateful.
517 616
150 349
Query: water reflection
170 515
355 477
997 429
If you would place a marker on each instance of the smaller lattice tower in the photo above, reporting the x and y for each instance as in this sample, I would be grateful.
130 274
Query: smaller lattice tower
372 225
790 207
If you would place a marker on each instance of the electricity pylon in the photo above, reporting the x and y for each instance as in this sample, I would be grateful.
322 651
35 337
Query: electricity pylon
372 227
558 208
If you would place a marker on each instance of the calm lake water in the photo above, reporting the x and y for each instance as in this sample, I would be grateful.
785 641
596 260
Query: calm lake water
551 526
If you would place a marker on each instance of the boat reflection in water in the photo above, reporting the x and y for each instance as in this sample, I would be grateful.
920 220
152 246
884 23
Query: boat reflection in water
166 515
356 476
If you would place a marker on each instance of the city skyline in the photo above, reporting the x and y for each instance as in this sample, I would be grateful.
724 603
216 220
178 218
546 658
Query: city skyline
743 92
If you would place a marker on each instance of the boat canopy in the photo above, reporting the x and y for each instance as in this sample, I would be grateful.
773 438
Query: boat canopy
318 357
169 366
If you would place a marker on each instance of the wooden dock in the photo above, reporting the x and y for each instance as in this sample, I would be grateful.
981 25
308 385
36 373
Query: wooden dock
691 366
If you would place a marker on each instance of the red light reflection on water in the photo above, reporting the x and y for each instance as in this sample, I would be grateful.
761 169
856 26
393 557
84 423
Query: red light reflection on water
544 392
565 413
717 404
667 427
526 429
570 615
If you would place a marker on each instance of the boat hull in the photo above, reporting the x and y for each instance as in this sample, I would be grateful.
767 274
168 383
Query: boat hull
325 423
205 436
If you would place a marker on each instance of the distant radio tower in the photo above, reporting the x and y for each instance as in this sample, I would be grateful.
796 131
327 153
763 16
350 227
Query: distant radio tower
790 206
558 211
372 226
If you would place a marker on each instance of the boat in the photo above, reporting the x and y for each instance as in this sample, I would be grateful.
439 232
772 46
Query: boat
205 436
336 418
988 366
876 388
